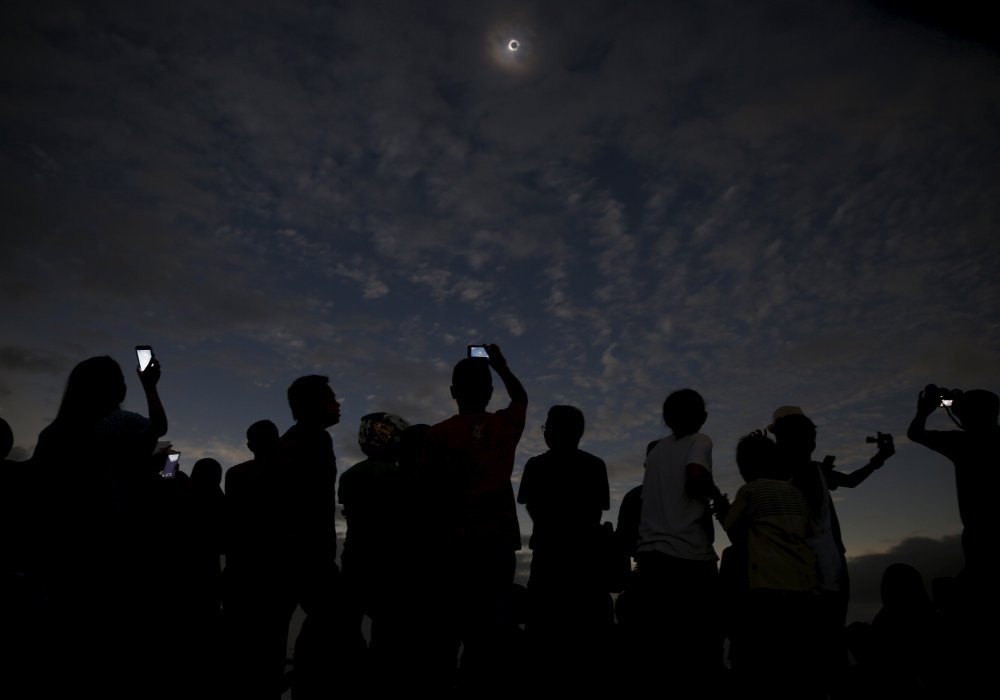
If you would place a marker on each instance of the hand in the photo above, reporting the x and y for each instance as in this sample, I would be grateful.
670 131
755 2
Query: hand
929 400
886 448
151 375
497 360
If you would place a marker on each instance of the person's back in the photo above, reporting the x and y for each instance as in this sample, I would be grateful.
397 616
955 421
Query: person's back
565 491
468 460
773 621
255 586
678 574
975 453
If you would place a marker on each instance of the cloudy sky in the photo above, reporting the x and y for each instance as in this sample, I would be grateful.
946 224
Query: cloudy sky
772 202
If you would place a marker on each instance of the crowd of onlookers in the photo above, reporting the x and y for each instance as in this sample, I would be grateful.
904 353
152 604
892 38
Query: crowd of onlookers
125 579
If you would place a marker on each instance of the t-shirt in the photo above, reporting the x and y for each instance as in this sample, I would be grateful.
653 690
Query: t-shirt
470 458
565 493
671 522
774 517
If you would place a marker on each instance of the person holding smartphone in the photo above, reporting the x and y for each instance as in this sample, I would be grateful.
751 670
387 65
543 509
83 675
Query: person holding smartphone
93 463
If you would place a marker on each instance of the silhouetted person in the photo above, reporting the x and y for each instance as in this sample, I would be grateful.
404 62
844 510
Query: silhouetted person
796 439
375 495
909 648
975 452
678 576
21 599
627 534
256 592
308 505
774 625
95 467
468 461
565 491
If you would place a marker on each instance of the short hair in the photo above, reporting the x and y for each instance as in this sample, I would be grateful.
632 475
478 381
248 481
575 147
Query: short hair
263 432
305 395
206 472
979 404
566 424
684 411
756 457
472 372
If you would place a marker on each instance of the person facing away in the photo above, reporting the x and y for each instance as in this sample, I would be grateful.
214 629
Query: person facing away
94 465
974 450
468 460
565 491
678 574
375 497
774 625
795 435
254 606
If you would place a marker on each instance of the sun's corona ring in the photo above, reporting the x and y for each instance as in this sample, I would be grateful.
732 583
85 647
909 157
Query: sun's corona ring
511 47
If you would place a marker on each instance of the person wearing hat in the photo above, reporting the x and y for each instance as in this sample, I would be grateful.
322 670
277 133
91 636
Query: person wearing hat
795 435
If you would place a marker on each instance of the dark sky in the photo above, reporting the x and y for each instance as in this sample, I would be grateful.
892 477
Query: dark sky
771 202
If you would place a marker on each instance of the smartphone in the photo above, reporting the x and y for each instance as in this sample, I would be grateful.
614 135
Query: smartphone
145 355
170 465
478 351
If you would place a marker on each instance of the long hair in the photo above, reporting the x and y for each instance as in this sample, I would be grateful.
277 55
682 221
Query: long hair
95 388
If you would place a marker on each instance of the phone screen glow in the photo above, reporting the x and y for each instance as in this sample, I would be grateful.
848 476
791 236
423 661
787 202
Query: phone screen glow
145 356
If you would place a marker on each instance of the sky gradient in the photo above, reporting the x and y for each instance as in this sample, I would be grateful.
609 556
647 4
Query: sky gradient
772 203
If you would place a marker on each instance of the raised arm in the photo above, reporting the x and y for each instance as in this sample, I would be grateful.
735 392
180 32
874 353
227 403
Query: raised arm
515 390
927 402
886 449
157 416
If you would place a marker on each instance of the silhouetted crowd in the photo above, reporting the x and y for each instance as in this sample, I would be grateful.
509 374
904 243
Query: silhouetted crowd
123 577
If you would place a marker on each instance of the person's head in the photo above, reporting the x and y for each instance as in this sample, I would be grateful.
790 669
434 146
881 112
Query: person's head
206 474
756 458
411 443
903 587
313 402
262 438
684 412
794 431
977 409
6 439
95 388
380 433
563 427
472 384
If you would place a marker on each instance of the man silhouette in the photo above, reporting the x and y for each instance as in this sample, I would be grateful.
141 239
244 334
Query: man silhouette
468 460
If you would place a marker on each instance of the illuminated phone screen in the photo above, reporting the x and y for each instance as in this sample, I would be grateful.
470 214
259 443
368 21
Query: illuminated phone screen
145 355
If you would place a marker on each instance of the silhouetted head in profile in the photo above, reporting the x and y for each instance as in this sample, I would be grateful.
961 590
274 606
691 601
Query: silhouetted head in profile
795 433
206 474
263 438
6 439
977 410
472 384
313 402
563 428
684 412
95 388
756 458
